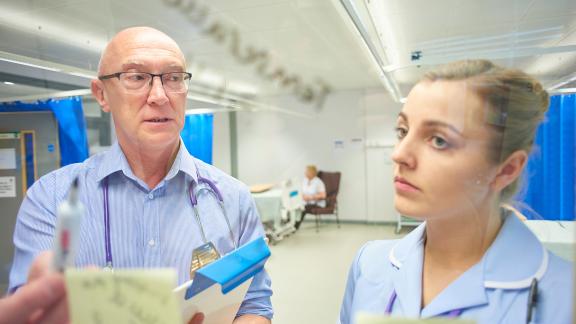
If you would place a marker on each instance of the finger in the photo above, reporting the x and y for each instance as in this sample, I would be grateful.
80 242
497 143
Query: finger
197 319
57 314
41 266
33 297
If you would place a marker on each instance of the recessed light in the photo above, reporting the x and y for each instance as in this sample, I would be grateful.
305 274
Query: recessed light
8 83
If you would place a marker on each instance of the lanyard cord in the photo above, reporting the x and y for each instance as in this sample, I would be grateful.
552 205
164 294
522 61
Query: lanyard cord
108 245
193 200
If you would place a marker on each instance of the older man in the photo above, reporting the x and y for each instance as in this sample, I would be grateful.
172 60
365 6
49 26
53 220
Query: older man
138 207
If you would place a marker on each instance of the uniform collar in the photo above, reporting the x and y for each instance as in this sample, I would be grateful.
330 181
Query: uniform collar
114 160
498 269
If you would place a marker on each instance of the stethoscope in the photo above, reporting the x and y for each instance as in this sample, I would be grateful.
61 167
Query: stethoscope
532 300
196 187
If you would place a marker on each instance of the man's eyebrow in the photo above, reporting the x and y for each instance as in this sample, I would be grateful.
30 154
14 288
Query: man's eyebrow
174 67
131 65
136 65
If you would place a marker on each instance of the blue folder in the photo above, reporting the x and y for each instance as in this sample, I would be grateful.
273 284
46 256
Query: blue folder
231 270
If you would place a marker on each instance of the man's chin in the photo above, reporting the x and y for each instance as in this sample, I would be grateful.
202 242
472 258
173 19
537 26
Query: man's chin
159 140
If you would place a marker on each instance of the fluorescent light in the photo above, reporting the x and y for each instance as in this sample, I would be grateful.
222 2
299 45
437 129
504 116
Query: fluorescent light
565 90
30 64
8 83
403 100
82 75
387 80
559 84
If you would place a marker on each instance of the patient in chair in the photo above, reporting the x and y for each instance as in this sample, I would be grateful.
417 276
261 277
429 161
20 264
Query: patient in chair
313 192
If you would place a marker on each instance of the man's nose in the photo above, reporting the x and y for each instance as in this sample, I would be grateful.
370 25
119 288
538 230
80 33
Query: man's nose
157 93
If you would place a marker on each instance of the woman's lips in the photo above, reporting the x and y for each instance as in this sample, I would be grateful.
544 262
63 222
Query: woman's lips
402 185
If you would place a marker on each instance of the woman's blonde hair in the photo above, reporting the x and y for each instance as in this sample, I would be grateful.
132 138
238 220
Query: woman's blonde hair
516 104
312 168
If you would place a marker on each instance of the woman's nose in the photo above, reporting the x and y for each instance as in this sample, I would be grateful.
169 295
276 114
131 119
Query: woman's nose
403 153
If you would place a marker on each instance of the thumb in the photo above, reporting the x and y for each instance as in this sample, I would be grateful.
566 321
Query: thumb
197 319
39 294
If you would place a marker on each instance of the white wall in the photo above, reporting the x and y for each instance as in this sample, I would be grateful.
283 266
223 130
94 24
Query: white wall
221 142
273 147
380 115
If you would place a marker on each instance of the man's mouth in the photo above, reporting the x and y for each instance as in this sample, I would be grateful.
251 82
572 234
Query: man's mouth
158 120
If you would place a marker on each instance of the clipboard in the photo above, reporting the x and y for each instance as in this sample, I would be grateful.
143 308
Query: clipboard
219 288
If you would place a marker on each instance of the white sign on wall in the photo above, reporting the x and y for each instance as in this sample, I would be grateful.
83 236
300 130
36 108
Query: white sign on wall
7 159
7 187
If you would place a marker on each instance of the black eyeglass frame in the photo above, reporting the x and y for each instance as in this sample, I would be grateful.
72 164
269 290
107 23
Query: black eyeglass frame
118 74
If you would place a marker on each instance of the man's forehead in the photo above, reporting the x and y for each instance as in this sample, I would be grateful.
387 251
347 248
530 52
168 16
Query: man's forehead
142 46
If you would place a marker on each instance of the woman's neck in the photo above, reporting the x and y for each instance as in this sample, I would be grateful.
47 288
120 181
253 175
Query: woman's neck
453 244
151 165
462 238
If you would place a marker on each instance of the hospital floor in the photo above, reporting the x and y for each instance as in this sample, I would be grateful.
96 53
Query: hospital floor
309 270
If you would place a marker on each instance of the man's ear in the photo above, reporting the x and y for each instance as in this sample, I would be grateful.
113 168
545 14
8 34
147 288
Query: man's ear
509 170
98 92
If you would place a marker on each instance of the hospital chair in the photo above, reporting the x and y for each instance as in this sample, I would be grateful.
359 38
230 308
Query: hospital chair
332 183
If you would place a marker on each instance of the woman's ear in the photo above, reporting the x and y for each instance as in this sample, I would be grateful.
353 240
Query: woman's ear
509 170
98 92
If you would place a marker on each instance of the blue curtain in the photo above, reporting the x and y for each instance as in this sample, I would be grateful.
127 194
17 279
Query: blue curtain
549 175
71 125
197 136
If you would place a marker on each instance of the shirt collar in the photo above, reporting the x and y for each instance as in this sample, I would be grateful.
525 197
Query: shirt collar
498 269
114 160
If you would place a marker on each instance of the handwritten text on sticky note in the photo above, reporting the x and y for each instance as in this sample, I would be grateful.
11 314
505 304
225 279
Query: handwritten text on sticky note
122 296
380 319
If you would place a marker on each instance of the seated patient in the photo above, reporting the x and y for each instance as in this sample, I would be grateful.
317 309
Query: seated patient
464 136
313 192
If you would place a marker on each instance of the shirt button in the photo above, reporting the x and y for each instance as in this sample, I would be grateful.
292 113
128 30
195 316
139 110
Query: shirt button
150 196
151 242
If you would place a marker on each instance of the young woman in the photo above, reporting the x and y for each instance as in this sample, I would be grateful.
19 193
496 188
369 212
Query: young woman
464 136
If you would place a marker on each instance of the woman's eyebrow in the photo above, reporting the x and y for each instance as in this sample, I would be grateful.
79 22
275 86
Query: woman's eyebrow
403 116
434 123
441 124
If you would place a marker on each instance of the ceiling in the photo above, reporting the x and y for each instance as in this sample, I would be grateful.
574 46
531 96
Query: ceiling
311 39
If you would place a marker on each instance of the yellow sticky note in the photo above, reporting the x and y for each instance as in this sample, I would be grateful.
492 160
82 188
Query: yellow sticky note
122 296
380 319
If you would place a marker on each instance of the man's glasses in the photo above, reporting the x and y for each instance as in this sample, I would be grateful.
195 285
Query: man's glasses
173 82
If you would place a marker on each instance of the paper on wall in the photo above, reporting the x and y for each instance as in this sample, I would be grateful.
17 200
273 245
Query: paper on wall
7 158
7 187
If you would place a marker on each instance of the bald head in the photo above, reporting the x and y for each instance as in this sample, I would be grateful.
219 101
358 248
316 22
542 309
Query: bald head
130 40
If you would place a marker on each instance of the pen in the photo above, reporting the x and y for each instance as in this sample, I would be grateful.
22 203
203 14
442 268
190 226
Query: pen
69 215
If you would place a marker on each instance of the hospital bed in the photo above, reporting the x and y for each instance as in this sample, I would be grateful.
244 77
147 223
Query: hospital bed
279 208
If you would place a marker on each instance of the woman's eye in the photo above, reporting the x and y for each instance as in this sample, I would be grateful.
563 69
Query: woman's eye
439 143
401 132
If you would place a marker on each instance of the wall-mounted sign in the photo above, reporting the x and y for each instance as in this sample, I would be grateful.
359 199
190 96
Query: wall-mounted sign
7 187
7 159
